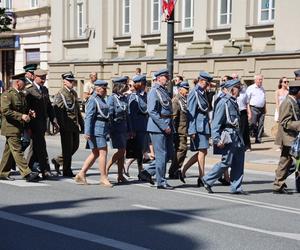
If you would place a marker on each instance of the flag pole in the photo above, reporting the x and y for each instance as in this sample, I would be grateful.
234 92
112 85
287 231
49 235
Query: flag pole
170 50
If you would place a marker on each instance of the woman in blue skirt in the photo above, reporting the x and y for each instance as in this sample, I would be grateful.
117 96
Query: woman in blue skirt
96 131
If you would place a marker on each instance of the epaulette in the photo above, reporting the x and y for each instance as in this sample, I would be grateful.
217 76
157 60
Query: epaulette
28 86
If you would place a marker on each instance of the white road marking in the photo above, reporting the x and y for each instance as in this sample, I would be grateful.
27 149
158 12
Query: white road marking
234 200
69 232
23 183
292 236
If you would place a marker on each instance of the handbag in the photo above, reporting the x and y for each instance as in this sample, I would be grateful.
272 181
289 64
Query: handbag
295 147
131 148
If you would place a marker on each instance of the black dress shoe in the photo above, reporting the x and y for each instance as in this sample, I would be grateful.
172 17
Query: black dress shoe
258 141
69 174
47 175
282 191
200 182
6 178
240 193
166 187
56 166
207 187
145 176
32 177
224 182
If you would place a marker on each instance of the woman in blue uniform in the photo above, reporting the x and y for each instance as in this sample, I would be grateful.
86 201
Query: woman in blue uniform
96 132
138 118
118 130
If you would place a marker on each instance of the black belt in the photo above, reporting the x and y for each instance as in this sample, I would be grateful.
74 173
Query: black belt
102 119
166 116
257 107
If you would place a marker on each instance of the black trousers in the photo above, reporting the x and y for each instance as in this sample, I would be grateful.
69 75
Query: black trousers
245 129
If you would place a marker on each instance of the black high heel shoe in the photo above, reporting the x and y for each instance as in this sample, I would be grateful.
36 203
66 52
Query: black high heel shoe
200 182
180 176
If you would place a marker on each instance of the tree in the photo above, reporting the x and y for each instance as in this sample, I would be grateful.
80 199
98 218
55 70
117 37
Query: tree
5 21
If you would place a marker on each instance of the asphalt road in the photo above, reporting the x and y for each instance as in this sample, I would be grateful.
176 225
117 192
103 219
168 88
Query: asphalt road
59 214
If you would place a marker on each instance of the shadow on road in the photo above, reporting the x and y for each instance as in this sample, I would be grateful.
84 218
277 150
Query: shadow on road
142 227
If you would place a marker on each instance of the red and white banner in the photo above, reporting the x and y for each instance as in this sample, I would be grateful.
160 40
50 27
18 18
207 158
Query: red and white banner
167 8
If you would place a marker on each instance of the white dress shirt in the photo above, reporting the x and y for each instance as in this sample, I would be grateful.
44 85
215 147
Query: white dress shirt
256 96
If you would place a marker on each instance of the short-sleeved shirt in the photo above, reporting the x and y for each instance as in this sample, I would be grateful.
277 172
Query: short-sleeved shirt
256 96
87 87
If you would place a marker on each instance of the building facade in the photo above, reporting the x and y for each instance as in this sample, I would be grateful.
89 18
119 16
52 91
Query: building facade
113 37
29 40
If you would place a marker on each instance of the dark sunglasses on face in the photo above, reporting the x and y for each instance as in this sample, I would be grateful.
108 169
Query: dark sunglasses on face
286 81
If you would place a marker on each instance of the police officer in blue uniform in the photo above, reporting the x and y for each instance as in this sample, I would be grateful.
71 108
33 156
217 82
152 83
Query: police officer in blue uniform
160 127
118 111
198 117
227 138
138 117
96 128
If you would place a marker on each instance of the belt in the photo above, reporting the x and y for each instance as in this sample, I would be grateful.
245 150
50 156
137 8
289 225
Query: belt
257 107
166 116
102 119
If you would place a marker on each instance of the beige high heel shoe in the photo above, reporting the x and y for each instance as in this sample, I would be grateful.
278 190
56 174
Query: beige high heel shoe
80 179
105 183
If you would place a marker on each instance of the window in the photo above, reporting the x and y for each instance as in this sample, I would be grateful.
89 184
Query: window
224 12
32 56
155 15
7 4
80 16
33 3
266 10
188 14
126 16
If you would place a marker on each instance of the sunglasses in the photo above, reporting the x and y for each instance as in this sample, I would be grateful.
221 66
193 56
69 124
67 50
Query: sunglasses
286 81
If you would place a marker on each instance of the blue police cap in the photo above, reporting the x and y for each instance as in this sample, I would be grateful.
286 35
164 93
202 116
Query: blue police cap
162 72
205 76
231 83
68 76
184 85
120 80
30 67
297 73
101 83
139 78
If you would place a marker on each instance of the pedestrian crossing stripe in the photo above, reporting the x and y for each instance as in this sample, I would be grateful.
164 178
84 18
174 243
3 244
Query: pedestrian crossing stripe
23 183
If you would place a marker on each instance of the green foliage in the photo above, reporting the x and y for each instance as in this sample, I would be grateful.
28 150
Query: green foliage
5 21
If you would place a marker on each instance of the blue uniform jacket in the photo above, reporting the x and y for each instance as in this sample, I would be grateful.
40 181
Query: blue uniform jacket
118 113
137 110
96 121
198 112
160 110
227 122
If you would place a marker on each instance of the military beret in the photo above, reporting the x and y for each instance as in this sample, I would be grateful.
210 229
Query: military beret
40 72
139 78
231 83
68 76
30 67
297 73
162 72
205 76
101 83
120 80
295 83
19 77
184 85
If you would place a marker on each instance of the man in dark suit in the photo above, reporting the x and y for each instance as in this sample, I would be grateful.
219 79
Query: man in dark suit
37 97
70 121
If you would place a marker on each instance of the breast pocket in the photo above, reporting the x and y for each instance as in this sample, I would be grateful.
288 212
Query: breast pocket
101 128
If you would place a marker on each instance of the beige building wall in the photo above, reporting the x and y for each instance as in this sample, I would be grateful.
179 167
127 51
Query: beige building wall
267 47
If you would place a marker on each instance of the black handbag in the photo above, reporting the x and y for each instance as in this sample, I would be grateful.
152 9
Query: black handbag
131 148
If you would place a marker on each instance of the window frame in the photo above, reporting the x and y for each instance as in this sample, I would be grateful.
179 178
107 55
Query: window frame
124 32
152 16
35 5
184 17
80 31
228 13
7 7
269 20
